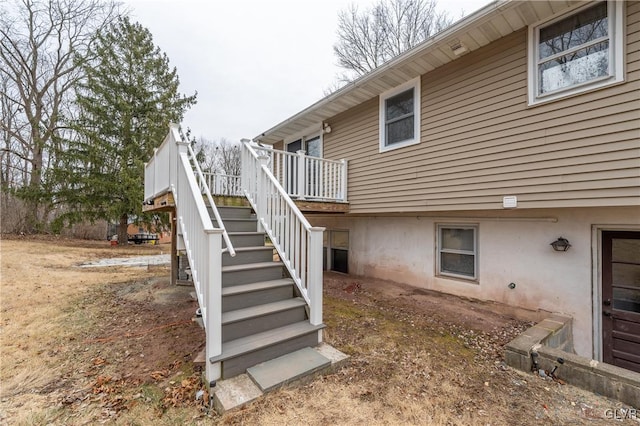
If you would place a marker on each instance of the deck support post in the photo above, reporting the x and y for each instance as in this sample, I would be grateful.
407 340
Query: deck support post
315 274
174 247
213 298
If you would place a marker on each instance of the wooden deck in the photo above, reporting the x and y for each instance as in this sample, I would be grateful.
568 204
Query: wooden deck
166 203
162 203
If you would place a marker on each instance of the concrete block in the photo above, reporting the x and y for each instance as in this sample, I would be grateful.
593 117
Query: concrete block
630 395
287 368
337 358
551 326
522 344
621 374
517 360
604 379
596 384
234 393
562 319
538 333
559 338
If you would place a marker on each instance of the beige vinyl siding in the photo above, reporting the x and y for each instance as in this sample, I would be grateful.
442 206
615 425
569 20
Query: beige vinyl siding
480 141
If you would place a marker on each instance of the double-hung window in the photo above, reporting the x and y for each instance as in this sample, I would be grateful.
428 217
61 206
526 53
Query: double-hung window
575 52
400 116
458 251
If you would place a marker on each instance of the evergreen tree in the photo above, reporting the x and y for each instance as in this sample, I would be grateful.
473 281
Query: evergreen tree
129 97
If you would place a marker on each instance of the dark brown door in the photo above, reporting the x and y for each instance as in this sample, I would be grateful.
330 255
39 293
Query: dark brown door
621 299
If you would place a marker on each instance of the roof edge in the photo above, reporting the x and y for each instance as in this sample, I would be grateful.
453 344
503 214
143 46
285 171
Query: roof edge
496 6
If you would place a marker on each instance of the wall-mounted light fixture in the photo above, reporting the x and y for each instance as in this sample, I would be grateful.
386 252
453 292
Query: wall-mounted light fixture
561 244
326 127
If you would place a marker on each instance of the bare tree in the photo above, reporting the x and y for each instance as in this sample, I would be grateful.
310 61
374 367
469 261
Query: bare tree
221 157
43 44
228 159
370 37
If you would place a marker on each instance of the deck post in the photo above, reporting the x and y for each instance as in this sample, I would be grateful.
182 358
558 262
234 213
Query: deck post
315 274
262 193
174 247
301 171
213 303
344 179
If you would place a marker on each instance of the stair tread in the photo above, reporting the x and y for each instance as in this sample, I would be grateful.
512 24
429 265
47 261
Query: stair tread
253 248
245 233
249 266
260 285
227 207
260 310
264 339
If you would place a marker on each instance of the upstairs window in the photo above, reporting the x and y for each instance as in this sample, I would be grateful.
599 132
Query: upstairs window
400 116
576 52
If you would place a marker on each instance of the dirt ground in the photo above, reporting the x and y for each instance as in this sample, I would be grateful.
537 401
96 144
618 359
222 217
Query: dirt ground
115 345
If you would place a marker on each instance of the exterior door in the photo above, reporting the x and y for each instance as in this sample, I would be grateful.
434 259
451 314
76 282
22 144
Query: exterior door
291 168
621 299
314 149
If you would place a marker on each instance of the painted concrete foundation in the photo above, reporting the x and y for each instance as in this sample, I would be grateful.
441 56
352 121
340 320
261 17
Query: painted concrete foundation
513 247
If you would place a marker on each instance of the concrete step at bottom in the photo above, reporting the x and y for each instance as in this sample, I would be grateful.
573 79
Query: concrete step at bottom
287 368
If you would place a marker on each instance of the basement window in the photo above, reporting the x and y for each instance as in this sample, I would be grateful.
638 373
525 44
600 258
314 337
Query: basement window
576 51
336 251
400 116
458 251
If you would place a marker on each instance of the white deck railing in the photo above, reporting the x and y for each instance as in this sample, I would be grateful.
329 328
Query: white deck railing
299 245
221 184
301 176
171 169
160 171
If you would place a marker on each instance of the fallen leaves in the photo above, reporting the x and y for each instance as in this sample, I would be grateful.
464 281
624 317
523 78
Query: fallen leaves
183 394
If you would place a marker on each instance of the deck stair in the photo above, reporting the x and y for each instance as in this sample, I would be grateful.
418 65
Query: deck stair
258 301
263 315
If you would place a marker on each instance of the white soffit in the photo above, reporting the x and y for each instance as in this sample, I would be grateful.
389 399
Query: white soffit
494 21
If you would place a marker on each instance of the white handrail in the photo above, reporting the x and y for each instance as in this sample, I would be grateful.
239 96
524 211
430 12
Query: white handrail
203 245
298 244
170 170
205 188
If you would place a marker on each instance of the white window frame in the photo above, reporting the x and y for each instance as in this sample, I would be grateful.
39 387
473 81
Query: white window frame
440 250
411 84
615 14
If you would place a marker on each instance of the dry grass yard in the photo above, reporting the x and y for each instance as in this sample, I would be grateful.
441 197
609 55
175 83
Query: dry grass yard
114 345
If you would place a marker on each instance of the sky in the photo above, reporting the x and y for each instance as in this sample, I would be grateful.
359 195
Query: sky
253 63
